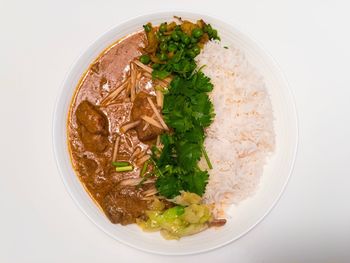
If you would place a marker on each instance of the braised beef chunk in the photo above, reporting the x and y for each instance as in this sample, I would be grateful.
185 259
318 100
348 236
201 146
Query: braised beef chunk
93 127
93 142
123 205
92 118
142 107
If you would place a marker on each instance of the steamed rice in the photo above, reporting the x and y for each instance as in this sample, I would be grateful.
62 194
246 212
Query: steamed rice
242 135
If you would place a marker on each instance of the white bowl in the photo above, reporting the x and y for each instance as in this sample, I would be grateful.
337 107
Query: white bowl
243 217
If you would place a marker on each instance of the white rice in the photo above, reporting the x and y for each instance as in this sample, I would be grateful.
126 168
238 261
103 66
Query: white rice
242 134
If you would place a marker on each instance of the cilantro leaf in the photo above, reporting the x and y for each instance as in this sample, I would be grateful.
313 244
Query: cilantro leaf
188 154
169 185
202 83
202 109
196 182
195 135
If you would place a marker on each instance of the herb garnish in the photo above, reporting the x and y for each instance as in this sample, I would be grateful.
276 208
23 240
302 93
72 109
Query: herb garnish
187 108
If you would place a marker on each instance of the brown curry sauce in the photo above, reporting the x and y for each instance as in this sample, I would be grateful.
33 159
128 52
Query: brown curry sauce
92 131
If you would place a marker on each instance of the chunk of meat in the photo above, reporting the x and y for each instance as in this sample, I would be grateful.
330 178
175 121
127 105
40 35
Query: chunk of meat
123 205
93 142
92 126
141 107
92 118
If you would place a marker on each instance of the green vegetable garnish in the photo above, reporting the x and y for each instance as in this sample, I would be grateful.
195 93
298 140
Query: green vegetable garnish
145 59
172 47
187 109
194 40
120 164
163 56
214 34
197 32
160 74
148 27
144 168
175 36
163 46
196 50
124 168
186 39
162 39
163 27
191 54
207 158
156 66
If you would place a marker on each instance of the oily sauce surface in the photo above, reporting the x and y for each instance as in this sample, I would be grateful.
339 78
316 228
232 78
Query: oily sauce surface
92 131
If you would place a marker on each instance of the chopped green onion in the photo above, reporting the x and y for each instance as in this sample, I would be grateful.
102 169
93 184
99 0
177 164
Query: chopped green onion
144 168
207 158
120 164
124 168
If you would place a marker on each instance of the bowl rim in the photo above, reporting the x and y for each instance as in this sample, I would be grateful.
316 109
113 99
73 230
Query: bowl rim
180 13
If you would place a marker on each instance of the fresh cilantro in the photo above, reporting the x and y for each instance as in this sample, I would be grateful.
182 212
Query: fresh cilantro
188 154
169 185
201 82
196 182
187 110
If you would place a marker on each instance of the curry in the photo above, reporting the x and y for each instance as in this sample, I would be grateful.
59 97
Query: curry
117 131
93 127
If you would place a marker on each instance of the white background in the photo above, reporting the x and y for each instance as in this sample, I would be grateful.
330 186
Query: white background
40 40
